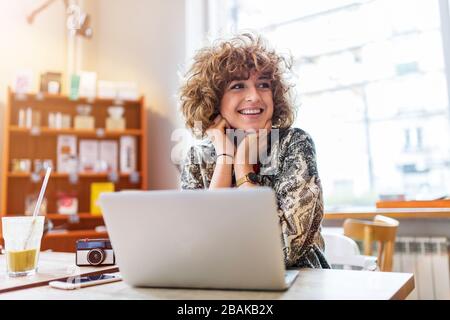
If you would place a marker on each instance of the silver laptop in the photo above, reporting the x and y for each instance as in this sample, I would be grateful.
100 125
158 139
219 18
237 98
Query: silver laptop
221 239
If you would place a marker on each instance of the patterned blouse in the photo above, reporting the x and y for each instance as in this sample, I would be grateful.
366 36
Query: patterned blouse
291 172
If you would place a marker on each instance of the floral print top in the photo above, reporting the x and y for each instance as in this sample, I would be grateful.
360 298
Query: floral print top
291 171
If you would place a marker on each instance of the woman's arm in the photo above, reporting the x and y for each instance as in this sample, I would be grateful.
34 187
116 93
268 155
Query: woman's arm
222 173
225 153
299 196
242 164
200 173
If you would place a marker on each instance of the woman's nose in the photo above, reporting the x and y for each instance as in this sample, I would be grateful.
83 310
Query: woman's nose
252 94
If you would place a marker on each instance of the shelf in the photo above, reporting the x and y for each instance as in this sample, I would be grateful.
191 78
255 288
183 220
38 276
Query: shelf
65 98
443 203
57 216
66 175
97 133
76 234
64 241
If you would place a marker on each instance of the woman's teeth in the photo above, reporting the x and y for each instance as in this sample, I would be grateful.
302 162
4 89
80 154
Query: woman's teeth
250 111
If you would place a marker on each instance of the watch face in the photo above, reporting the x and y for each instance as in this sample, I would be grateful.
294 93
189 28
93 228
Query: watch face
253 177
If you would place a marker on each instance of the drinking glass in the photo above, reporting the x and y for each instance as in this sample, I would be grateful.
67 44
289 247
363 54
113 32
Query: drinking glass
22 236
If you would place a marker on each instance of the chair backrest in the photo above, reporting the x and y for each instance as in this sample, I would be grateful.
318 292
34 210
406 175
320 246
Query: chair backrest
382 230
338 244
343 252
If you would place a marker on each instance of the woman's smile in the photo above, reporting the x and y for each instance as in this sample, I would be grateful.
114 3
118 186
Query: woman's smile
251 113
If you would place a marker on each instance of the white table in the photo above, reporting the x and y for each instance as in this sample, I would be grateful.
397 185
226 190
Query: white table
310 284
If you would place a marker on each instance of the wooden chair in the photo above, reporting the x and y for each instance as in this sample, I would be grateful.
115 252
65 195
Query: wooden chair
382 229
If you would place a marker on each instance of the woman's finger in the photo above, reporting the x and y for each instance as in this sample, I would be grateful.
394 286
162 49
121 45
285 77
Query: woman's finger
222 123
227 124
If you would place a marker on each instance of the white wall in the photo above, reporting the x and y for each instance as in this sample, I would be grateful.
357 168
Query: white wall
40 46
134 40
144 41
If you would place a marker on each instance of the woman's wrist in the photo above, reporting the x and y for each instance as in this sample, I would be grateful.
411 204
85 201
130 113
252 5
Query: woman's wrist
224 158
240 170
248 185
223 171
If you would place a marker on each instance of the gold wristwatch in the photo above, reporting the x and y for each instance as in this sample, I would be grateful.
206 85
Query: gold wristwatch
249 177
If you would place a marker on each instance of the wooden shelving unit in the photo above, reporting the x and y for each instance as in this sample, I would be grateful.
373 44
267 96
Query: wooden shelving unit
66 175
81 216
99 133
71 217
41 143
65 241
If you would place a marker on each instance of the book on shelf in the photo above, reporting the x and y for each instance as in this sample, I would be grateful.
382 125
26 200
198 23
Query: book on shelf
88 155
66 153
128 156
109 155
98 188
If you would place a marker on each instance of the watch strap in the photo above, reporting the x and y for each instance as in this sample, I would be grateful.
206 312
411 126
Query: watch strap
245 179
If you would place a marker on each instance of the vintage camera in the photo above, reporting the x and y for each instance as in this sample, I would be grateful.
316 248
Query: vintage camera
94 252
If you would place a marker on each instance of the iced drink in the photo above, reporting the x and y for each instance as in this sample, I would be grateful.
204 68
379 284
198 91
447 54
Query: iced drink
22 237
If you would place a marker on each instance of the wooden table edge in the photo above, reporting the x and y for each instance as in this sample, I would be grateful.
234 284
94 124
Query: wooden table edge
391 214
405 290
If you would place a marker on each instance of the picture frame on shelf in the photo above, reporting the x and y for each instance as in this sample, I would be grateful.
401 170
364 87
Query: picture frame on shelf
51 82
22 82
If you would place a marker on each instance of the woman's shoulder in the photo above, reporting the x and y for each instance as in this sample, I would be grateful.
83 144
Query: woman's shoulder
295 136
297 145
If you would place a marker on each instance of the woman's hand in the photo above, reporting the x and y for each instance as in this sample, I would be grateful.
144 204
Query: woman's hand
222 144
248 150
262 136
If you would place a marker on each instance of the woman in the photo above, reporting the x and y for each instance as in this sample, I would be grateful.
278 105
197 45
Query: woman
239 84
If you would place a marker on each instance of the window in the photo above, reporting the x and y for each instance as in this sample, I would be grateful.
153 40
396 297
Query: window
372 90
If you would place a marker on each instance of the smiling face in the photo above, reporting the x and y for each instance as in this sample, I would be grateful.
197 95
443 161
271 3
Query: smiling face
248 103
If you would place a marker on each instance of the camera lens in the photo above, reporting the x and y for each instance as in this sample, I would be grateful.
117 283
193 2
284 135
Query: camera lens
96 256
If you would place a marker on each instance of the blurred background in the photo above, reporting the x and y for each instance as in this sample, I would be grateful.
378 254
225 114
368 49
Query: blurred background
372 77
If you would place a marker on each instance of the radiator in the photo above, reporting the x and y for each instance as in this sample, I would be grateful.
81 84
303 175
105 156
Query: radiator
428 259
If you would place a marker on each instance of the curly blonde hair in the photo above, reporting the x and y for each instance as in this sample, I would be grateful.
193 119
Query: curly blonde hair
216 66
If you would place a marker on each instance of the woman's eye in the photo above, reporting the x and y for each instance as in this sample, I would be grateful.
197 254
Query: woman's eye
237 86
264 85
